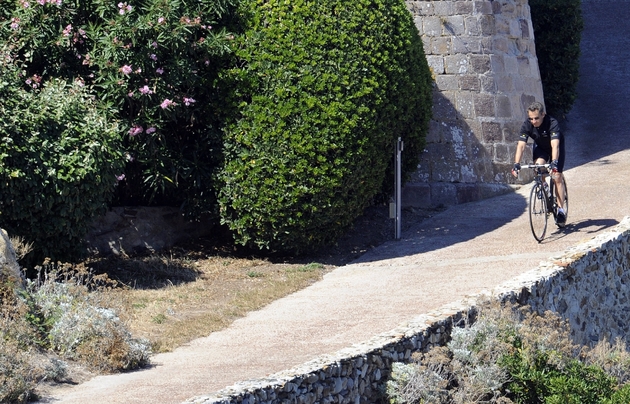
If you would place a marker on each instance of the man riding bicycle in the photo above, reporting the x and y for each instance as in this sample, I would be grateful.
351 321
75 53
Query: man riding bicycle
548 147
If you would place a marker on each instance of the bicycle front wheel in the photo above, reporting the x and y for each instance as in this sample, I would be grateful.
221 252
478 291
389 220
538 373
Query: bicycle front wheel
538 212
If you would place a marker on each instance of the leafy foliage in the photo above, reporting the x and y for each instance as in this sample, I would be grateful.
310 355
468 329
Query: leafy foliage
324 91
59 157
558 50
155 63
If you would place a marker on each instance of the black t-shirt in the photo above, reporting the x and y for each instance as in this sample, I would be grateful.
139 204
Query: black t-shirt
548 130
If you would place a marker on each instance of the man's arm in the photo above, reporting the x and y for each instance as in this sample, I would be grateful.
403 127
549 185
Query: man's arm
555 149
520 148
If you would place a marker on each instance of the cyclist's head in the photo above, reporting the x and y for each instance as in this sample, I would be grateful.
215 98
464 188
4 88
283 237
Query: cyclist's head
536 106
536 113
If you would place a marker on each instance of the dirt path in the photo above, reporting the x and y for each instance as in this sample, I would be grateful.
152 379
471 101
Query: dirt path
458 252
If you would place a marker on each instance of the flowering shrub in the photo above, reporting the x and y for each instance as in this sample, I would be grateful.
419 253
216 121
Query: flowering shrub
154 62
325 89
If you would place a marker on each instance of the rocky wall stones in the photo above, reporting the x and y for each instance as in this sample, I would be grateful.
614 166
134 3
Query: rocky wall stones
589 285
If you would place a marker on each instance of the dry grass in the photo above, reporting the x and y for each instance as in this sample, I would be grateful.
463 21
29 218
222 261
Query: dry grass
218 291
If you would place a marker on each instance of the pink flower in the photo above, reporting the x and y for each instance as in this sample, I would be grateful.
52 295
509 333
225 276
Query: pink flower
41 2
123 7
150 130
160 20
153 57
67 30
154 44
126 70
24 3
159 70
120 177
188 101
146 90
136 130
129 157
130 94
15 23
166 103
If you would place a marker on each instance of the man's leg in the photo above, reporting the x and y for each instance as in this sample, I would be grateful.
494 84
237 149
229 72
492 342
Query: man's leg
557 178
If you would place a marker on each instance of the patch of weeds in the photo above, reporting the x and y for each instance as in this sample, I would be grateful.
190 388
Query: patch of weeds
159 318
512 355
255 274
313 266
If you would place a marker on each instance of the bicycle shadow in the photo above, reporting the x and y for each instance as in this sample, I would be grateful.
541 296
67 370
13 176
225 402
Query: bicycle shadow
588 226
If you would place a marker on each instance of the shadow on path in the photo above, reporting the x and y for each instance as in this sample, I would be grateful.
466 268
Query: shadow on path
457 224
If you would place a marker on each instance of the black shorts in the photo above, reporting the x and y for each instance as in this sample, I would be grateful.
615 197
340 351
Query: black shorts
539 152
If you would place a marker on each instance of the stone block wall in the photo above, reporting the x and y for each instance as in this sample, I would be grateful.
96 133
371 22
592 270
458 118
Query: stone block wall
589 285
483 58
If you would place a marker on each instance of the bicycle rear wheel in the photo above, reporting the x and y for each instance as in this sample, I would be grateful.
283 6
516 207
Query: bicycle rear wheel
565 203
538 212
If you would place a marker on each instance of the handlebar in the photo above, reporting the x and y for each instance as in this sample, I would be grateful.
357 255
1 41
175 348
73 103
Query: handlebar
547 166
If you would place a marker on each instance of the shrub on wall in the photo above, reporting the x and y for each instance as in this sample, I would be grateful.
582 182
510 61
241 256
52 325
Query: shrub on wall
558 50
59 158
325 89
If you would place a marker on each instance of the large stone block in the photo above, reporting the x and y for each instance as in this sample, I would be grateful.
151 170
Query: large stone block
504 108
487 25
436 63
441 46
480 64
423 8
483 7
469 83
416 195
456 64
466 45
464 104
447 82
471 26
491 132
454 25
463 7
444 108
484 105
443 194
443 8
432 26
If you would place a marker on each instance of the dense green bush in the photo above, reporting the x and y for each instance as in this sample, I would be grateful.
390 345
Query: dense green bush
325 89
558 28
59 158
155 62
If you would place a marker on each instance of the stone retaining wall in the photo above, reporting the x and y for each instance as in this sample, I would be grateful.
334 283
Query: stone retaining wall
589 285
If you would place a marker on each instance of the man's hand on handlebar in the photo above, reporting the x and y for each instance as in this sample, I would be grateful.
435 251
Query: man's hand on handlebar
554 165
516 169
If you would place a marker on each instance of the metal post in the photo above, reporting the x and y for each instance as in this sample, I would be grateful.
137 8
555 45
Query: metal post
399 148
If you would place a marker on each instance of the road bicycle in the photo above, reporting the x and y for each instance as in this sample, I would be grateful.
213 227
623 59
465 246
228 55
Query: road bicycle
542 200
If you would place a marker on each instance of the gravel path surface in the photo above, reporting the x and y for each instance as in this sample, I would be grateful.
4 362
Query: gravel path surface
461 251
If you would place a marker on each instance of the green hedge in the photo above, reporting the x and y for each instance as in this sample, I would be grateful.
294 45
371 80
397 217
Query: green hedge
558 28
325 89
59 162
